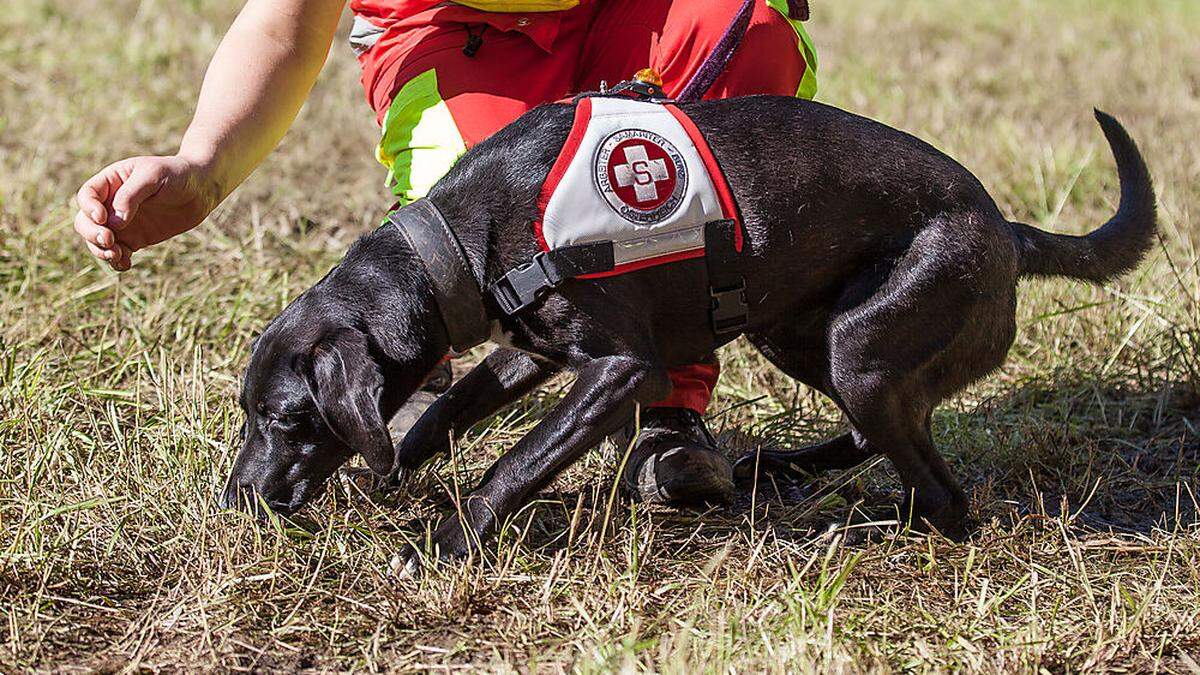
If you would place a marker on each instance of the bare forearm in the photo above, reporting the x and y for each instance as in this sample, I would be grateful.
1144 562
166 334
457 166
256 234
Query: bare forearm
256 83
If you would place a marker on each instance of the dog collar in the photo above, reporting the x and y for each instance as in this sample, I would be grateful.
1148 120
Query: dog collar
455 287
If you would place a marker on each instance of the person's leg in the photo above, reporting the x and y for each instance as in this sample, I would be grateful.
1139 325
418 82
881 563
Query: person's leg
775 56
445 79
675 458
675 37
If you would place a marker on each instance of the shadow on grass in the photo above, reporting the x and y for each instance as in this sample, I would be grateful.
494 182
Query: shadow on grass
1110 458
1113 458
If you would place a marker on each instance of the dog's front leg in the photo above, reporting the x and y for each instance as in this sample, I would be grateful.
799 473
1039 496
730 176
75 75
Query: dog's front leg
603 397
503 376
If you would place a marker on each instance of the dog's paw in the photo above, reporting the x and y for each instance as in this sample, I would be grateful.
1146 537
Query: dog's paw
948 519
406 564
448 543
756 465
957 530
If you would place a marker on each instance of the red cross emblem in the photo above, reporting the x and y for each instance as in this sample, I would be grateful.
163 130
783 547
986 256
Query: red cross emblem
641 174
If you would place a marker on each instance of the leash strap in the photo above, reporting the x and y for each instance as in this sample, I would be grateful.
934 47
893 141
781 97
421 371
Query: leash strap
719 57
455 287
726 288
528 283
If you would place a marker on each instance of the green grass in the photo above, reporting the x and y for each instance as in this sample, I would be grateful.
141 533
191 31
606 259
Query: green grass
117 396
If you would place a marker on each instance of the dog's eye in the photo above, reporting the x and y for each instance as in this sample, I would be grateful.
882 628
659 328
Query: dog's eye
285 422
291 420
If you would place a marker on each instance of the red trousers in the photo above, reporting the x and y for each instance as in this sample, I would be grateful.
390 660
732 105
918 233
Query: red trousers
443 78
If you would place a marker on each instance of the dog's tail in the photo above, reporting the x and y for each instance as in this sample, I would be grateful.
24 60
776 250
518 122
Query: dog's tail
1115 248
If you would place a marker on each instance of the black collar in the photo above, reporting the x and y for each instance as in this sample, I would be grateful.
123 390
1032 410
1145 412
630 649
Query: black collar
455 287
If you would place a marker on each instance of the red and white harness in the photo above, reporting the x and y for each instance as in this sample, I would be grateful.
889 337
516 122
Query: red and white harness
635 185
638 174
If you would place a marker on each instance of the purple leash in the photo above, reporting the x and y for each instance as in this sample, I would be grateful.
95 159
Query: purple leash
723 52
719 57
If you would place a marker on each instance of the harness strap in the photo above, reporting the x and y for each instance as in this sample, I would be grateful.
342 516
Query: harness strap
527 284
727 288
455 287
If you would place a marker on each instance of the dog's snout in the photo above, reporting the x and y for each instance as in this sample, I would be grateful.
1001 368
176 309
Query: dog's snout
237 494
243 492
251 499
228 498
248 486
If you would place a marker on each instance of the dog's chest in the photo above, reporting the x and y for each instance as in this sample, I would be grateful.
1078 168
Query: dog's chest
637 174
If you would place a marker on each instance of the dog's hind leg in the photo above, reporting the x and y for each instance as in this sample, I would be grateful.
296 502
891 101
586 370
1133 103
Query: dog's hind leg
887 419
605 394
841 452
503 376
809 366
942 318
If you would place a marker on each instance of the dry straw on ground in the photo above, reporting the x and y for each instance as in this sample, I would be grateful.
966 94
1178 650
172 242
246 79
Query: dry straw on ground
117 397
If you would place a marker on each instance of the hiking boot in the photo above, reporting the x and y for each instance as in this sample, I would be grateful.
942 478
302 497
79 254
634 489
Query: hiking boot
674 460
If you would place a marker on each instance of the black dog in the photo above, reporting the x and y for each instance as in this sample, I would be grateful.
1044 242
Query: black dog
878 271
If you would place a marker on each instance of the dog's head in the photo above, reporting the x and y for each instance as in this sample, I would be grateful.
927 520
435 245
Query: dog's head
325 376
312 400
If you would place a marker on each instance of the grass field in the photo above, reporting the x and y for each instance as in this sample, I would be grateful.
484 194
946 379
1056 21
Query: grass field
117 396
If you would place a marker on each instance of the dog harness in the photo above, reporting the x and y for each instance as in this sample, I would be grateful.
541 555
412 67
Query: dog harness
635 185
636 174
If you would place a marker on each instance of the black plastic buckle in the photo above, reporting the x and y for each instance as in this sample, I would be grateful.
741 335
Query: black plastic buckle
643 91
523 286
730 313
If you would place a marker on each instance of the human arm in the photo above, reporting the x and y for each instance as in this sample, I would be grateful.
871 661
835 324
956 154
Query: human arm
257 81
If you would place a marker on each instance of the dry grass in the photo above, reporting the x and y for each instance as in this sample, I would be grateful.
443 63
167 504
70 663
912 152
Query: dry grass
117 397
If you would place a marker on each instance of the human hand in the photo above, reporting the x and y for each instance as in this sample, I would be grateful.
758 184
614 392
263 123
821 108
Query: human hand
140 201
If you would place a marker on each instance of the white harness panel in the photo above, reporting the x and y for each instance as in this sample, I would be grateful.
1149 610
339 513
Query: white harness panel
636 179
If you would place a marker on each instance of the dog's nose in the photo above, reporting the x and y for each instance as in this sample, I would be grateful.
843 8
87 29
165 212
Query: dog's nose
249 498
232 492
234 495
239 496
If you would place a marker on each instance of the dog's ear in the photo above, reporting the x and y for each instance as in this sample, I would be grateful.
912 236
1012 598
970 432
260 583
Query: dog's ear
346 383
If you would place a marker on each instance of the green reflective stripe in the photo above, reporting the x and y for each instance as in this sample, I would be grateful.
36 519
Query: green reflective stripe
420 139
808 83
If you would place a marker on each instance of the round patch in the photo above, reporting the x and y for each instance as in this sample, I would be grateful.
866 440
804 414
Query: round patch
641 175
